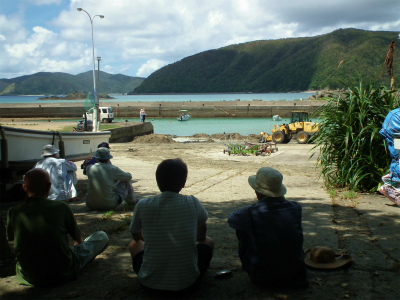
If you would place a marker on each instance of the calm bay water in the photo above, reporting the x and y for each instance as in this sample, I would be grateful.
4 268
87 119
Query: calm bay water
172 126
244 126
169 98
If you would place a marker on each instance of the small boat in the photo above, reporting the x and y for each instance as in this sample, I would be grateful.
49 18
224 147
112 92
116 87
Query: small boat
276 118
21 148
184 115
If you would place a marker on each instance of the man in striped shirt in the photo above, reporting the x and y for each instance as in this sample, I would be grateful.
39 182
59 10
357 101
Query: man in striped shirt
170 250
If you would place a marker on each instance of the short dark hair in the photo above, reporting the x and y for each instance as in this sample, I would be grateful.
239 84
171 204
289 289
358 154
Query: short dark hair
37 181
171 175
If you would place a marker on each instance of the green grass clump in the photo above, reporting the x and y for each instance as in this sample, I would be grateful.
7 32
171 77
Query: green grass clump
351 195
107 215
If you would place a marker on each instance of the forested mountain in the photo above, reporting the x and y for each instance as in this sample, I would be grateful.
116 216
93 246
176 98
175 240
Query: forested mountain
295 64
46 83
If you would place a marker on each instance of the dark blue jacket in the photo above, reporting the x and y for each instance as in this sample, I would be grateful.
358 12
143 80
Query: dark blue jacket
271 242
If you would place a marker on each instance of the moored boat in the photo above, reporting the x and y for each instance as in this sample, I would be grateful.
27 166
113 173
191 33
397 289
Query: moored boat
276 117
184 115
21 148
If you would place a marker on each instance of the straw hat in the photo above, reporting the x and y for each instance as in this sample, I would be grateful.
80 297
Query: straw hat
103 153
268 182
322 257
49 150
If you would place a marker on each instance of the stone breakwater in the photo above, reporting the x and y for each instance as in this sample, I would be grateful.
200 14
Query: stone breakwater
217 109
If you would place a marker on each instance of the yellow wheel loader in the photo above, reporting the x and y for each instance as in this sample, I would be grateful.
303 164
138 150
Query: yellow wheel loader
300 128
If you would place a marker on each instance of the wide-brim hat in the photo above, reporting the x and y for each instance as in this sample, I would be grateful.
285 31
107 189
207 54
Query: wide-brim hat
325 258
103 153
49 150
268 182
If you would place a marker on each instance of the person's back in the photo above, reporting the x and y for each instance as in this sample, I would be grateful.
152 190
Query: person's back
41 242
62 174
170 219
102 180
270 235
40 229
54 167
108 185
274 239
170 250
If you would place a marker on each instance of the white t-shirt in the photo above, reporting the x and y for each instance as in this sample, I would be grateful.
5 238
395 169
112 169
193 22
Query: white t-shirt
62 177
169 224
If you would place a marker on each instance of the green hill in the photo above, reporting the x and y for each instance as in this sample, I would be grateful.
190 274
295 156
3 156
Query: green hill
46 83
284 65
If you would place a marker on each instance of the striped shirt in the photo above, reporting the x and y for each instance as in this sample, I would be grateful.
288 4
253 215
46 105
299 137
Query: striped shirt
169 223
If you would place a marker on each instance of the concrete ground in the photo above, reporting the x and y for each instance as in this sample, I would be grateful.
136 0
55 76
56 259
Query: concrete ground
367 228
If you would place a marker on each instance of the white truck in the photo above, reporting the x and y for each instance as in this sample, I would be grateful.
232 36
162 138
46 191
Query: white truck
106 114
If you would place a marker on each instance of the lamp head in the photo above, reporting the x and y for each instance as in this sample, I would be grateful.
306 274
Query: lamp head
79 9
101 16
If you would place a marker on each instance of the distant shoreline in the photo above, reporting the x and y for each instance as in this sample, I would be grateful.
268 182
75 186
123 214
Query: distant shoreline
75 96
125 94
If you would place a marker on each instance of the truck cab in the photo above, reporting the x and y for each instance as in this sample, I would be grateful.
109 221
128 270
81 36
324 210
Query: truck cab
106 114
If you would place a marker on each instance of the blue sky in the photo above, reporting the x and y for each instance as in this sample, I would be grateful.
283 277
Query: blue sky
137 37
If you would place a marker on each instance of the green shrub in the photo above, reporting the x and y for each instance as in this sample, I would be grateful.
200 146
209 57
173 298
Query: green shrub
351 153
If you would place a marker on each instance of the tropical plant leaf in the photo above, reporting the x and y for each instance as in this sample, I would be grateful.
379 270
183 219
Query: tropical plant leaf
351 152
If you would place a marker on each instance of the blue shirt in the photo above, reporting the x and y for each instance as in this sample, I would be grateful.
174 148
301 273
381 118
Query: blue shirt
271 242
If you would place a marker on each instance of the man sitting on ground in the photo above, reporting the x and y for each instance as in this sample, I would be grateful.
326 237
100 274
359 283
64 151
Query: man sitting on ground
108 185
40 228
270 234
170 250
62 174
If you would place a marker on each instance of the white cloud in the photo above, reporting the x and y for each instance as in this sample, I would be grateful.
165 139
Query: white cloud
149 67
44 2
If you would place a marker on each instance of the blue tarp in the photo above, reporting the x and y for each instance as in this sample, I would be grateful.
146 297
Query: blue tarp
391 126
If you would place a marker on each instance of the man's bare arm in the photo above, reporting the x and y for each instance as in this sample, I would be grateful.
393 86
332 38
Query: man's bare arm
201 232
138 236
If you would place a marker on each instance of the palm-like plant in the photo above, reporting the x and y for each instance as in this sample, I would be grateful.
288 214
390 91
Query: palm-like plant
351 153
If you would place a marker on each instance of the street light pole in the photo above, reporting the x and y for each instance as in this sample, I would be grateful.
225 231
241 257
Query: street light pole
98 79
96 99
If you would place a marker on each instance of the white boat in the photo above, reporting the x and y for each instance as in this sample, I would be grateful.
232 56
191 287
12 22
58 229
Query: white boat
276 118
184 115
21 148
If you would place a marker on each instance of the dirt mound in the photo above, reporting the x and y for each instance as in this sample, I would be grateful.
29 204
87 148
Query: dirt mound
234 136
154 139
201 135
163 139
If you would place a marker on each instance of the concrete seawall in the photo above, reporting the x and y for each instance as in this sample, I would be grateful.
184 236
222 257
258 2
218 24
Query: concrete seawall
129 132
217 109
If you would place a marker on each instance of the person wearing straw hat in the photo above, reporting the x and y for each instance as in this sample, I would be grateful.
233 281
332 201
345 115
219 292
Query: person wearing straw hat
270 234
62 174
108 186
